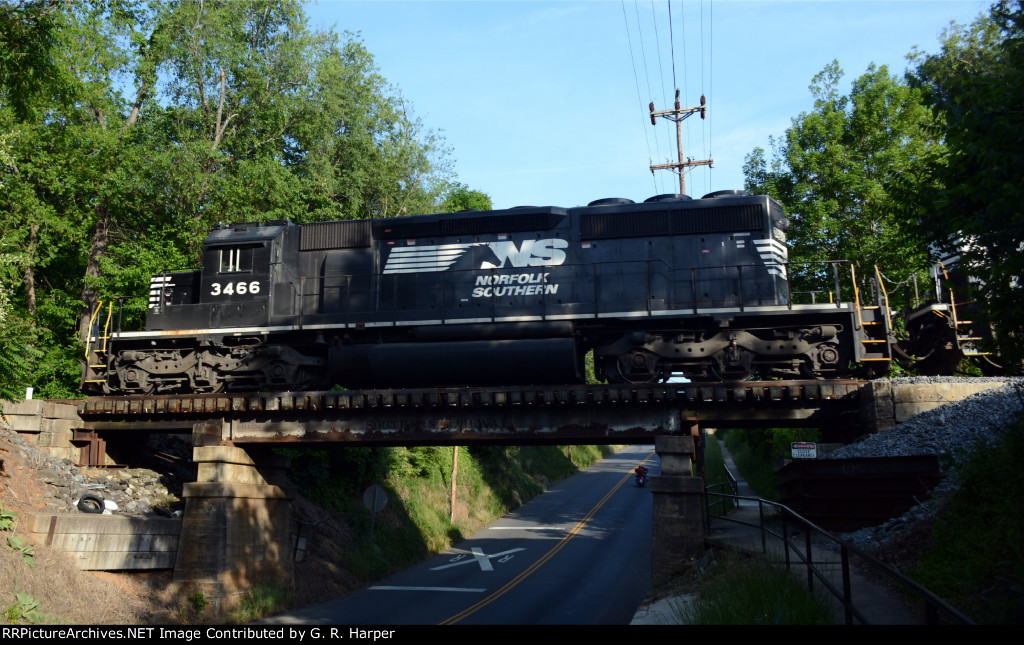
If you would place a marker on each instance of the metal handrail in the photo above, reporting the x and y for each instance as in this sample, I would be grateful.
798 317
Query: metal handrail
933 605
303 287
643 270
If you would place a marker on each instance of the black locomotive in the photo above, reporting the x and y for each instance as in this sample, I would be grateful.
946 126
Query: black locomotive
670 286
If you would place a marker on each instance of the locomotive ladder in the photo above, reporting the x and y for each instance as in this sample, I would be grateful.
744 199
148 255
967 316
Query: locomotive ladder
965 342
96 355
874 322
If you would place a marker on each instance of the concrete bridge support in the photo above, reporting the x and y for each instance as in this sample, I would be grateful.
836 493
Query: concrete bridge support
678 532
235 529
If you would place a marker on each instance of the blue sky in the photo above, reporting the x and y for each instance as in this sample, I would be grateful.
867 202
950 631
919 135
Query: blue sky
544 102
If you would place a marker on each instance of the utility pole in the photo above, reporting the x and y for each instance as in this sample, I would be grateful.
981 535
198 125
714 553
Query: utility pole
678 114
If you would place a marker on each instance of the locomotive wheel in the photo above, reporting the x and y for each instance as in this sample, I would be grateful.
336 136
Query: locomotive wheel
730 374
739 368
143 385
649 373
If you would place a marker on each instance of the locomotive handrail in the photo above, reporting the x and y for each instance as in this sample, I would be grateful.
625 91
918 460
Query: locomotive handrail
856 301
834 265
392 307
884 298
92 330
299 291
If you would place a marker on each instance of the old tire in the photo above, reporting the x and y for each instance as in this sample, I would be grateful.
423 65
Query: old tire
91 504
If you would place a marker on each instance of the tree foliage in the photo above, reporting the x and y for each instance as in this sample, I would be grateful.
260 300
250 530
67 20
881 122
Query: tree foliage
129 127
461 198
975 84
848 173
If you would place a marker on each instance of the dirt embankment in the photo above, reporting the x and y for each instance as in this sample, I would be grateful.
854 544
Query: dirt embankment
48 582
67 595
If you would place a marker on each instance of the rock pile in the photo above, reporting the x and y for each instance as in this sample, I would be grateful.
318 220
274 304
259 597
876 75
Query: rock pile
951 431
133 491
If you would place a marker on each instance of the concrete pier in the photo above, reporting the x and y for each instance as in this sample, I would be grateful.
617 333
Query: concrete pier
235 530
678 531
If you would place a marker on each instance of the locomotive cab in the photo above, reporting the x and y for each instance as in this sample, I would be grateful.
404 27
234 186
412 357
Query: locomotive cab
231 290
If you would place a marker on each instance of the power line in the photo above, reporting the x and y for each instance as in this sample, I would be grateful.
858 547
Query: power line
672 43
678 113
636 81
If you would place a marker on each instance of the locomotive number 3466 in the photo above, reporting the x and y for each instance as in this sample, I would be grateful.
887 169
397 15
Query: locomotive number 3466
234 288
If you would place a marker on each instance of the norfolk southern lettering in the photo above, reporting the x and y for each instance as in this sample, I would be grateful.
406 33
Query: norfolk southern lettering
514 284
517 296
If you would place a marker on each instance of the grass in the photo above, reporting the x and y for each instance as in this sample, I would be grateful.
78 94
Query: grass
758 469
54 591
739 590
419 518
262 601
715 474
972 554
750 591
976 560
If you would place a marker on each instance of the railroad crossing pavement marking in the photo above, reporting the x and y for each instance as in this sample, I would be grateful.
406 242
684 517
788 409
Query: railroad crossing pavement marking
479 557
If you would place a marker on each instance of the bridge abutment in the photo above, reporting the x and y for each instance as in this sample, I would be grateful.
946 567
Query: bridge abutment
235 529
678 531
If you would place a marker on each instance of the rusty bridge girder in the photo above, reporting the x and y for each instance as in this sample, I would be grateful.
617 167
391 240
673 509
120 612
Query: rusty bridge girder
580 414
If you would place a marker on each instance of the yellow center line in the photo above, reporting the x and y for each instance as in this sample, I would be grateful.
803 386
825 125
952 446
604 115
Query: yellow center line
511 584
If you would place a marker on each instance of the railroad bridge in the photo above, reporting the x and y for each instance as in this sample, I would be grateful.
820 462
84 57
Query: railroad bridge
594 414
235 529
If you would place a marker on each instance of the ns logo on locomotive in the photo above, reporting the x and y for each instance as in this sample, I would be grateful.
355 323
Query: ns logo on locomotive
673 285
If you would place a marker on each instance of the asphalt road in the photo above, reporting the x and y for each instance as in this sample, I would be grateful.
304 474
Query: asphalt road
579 554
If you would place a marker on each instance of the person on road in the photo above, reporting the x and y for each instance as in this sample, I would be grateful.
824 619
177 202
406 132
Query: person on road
641 473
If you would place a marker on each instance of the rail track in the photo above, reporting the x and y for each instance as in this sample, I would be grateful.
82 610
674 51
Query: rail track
449 416
750 394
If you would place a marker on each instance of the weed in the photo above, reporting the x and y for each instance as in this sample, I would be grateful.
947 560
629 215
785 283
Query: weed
977 558
750 591
262 601
7 520
24 609
198 601
15 543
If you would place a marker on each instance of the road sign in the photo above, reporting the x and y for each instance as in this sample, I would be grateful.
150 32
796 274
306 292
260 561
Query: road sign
375 498
804 450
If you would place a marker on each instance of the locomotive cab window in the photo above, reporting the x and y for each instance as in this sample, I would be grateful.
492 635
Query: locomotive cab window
236 259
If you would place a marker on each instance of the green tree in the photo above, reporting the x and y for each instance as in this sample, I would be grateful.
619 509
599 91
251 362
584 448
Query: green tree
460 197
848 172
28 39
975 84
157 120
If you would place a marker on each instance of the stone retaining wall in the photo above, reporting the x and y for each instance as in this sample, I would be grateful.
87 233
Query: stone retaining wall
890 403
47 425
